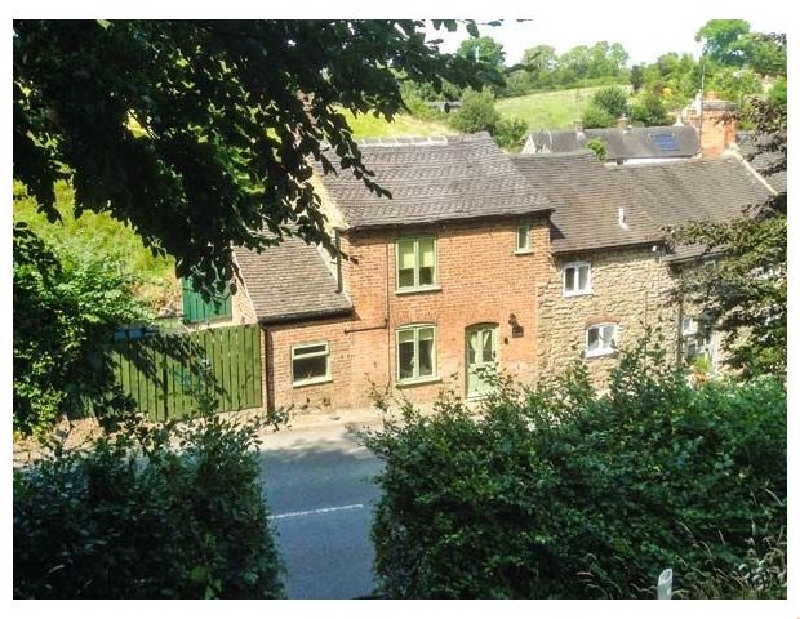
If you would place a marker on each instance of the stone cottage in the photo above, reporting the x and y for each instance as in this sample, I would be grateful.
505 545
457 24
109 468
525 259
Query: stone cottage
611 273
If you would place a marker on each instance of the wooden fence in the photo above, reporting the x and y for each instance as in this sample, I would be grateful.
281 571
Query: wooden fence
168 374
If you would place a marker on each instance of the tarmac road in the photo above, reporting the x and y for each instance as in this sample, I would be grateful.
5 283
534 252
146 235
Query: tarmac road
318 486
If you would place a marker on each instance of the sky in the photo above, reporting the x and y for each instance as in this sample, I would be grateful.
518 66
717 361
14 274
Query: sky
644 35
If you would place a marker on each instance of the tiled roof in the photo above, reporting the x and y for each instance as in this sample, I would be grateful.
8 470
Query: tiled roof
640 142
544 141
677 193
587 202
632 143
290 281
450 178
763 162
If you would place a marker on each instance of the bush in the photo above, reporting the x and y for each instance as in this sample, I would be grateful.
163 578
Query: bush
477 113
598 147
649 109
510 132
555 492
595 117
67 303
613 100
160 513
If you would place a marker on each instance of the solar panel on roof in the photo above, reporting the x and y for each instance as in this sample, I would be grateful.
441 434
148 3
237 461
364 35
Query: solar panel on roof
664 141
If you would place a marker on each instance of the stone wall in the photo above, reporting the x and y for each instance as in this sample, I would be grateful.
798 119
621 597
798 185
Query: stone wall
630 287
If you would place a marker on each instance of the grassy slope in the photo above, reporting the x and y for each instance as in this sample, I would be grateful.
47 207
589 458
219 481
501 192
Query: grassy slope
104 235
548 110
367 126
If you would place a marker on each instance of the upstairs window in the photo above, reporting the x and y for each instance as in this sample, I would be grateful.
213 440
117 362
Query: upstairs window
601 340
416 263
523 239
577 279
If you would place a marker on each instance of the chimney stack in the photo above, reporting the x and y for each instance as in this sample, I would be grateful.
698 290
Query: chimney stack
717 129
622 123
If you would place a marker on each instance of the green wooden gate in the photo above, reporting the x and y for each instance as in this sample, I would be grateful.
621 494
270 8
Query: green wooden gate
166 374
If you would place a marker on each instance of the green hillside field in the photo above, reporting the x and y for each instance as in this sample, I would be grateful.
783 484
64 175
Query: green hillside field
549 110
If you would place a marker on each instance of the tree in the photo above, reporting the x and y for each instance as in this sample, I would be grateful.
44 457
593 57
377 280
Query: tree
637 77
721 39
200 133
745 294
613 99
510 132
67 303
477 112
482 49
488 58
735 84
596 117
762 54
649 109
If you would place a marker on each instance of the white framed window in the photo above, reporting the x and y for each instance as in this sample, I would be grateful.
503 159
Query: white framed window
416 263
601 339
699 342
416 353
523 239
311 363
577 278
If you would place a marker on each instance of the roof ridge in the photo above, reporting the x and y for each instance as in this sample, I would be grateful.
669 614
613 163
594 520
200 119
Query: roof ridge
423 140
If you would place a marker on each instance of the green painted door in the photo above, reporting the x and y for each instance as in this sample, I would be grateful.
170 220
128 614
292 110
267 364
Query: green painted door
481 358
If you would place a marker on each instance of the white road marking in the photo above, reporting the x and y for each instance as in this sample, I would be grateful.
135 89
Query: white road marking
321 510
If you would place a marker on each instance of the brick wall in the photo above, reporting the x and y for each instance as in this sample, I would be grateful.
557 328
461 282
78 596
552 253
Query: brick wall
630 287
481 279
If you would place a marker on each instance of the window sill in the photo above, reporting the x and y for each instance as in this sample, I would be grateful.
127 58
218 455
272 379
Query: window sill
523 252
434 288
415 382
312 381
578 294
600 353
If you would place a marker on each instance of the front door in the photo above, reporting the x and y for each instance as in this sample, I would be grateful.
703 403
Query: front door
481 358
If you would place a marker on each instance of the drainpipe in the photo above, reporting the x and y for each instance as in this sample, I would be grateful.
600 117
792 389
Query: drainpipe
388 322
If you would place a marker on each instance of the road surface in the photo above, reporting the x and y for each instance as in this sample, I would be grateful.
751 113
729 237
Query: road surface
318 486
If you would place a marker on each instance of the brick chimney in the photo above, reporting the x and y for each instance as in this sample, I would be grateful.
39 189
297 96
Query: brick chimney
716 132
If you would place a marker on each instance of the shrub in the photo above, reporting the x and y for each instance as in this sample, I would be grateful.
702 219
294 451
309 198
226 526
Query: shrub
556 492
510 132
649 109
595 117
159 513
613 100
67 303
477 112
598 147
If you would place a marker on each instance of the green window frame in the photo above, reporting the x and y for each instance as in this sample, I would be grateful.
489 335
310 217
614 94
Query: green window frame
415 263
416 353
523 239
311 363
